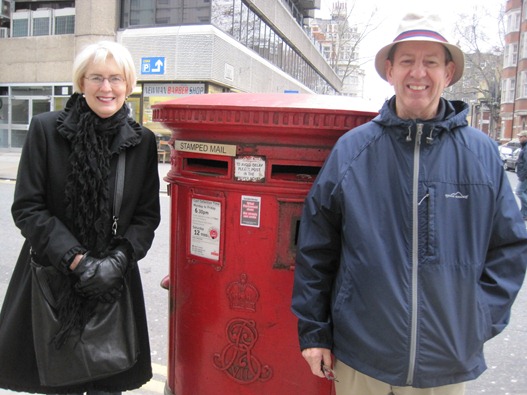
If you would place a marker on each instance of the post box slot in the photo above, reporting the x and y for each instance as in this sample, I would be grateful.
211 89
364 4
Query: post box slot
289 214
296 229
212 167
302 173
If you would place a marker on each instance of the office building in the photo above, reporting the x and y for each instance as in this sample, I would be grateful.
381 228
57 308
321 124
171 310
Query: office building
180 47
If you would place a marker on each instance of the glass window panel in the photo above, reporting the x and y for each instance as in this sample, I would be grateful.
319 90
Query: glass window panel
65 24
196 12
169 12
125 13
40 106
272 47
165 12
60 103
134 103
4 138
222 15
3 110
20 27
142 12
62 90
250 29
243 24
20 111
17 138
236 30
280 51
258 26
41 26
32 90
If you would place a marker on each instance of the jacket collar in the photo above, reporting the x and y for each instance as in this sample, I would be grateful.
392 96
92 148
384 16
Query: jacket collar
451 116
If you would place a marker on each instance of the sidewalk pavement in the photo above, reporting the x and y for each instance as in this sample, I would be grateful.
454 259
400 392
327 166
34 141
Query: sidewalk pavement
9 167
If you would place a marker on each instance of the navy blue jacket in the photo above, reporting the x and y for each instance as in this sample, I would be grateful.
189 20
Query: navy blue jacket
411 250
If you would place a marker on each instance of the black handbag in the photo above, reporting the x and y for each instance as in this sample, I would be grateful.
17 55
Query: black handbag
107 345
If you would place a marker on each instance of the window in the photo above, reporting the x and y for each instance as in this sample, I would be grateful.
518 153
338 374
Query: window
513 21
43 22
523 47
3 109
164 12
507 90
20 111
20 24
510 55
64 21
522 91
41 26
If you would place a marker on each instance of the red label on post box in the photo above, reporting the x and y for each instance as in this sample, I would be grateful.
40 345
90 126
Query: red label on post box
250 211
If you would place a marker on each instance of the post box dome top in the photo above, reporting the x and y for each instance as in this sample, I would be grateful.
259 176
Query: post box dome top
272 101
296 116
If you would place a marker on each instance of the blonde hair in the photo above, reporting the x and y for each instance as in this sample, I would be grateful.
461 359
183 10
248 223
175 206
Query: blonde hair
99 53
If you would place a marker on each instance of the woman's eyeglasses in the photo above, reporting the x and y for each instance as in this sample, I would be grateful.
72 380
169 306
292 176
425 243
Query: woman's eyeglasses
114 80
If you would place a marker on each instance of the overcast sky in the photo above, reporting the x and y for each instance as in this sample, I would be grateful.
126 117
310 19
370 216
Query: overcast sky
388 15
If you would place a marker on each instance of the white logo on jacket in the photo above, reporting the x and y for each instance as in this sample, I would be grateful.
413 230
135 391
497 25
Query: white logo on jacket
456 195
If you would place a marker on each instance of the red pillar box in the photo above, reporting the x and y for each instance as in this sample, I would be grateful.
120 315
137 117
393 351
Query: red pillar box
241 166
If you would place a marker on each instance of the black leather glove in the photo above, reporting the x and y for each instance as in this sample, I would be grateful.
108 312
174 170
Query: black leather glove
101 277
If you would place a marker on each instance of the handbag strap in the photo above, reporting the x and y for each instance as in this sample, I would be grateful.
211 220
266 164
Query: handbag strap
119 187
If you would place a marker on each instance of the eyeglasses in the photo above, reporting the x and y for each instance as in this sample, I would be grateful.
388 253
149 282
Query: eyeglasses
329 373
114 80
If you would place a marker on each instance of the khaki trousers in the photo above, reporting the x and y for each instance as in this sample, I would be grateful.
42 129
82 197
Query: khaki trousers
352 382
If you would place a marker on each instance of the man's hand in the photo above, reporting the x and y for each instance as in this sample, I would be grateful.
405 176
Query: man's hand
316 357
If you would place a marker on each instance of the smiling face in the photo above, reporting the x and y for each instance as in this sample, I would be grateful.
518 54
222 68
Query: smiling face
105 98
419 73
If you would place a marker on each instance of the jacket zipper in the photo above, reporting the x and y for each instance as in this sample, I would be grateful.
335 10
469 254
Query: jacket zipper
415 255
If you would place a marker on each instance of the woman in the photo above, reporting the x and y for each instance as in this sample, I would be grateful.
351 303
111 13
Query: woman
63 206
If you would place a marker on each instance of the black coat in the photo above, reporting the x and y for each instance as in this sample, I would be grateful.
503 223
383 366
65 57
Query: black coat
38 211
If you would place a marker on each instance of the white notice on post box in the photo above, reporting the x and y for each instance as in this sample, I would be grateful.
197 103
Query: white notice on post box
250 211
249 168
205 229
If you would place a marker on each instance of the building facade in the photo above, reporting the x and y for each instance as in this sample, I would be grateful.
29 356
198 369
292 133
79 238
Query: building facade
340 43
514 75
180 47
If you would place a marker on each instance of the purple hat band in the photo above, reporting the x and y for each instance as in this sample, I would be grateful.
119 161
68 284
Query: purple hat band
420 33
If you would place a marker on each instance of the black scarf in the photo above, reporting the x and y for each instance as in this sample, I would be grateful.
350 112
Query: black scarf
87 200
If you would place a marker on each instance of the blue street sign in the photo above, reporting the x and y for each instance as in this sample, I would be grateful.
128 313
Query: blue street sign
155 65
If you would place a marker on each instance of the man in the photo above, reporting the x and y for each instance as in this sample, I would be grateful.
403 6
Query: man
521 171
411 247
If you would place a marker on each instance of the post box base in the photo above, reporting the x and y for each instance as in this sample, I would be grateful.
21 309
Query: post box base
167 390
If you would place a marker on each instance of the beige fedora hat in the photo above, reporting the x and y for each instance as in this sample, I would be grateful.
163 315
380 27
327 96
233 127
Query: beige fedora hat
421 27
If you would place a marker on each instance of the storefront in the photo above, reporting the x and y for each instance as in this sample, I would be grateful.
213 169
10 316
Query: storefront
19 103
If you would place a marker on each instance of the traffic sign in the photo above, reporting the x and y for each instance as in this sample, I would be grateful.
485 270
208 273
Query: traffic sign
153 65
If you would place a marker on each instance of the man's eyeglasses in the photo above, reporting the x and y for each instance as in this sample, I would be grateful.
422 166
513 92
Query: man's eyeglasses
328 372
114 80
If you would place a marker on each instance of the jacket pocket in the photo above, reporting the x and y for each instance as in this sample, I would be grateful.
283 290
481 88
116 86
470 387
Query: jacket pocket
427 224
342 292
